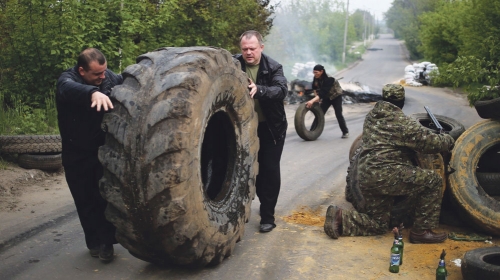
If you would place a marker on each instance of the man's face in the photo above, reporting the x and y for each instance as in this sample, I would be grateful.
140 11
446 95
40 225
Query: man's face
251 50
95 75
317 73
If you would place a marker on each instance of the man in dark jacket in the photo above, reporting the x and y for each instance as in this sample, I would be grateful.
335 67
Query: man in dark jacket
330 93
81 98
268 88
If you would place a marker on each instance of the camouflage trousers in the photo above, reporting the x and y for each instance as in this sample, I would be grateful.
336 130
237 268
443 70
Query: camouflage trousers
424 187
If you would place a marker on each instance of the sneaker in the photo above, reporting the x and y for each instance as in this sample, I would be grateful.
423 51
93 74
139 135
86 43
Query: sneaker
106 252
333 221
345 135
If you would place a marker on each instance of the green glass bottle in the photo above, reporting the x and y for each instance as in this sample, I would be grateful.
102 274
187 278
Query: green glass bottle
401 249
441 273
395 256
401 242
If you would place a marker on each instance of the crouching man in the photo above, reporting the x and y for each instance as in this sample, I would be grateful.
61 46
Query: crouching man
385 168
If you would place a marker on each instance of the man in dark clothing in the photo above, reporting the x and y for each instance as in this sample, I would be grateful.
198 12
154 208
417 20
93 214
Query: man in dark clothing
386 170
330 93
81 93
268 88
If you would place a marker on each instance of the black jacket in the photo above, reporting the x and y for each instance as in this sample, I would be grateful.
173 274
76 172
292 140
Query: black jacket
323 85
271 92
80 125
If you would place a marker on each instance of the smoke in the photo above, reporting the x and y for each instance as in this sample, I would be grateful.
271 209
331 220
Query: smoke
306 33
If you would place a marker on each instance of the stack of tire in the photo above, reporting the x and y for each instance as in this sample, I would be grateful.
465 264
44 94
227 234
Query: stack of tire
34 151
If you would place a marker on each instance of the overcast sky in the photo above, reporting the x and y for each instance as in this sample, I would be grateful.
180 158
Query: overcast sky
376 7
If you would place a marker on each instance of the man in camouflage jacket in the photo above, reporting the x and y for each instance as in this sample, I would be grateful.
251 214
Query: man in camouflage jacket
386 170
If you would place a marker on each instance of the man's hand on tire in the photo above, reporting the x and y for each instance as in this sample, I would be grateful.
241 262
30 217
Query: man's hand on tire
100 99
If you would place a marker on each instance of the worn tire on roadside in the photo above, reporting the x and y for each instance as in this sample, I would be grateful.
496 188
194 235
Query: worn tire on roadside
488 109
490 182
481 263
46 162
358 141
23 144
300 125
474 203
180 157
452 126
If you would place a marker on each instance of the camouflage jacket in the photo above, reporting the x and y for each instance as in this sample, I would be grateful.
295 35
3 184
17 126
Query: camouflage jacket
390 141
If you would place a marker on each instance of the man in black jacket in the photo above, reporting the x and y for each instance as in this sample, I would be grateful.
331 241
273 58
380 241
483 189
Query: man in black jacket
329 91
81 98
268 88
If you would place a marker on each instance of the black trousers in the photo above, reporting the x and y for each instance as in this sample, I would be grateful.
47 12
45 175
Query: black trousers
336 103
269 178
83 181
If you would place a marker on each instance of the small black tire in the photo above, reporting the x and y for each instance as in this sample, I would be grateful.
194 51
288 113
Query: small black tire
488 109
452 126
46 162
24 144
481 263
300 126
490 182
180 157
474 203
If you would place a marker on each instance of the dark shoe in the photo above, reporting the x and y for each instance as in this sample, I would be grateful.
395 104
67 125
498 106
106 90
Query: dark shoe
333 221
266 227
345 135
106 252
94 252
428 236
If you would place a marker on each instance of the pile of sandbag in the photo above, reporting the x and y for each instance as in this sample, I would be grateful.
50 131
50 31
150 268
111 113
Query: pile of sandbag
303 71
418 74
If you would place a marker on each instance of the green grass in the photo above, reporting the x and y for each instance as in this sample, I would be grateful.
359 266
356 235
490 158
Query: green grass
22 119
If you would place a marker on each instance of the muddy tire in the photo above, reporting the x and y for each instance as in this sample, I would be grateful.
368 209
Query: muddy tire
180 157
358 141
488 109
46 162
300 125
452 126
474 203
481 263
23 144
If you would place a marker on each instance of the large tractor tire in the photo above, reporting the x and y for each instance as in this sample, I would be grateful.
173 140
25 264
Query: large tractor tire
180 158
317 125
23 144
452 126
477 206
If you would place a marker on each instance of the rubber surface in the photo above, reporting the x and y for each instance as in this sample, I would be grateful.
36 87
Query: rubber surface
452 126
481 263
22 144
180 157
488 109
46 162
300 126
475 204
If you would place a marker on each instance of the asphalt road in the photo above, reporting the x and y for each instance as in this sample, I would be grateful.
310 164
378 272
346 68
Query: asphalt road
313 175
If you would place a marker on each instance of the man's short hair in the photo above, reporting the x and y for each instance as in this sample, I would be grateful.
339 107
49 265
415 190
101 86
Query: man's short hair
250 33
89 55
393 92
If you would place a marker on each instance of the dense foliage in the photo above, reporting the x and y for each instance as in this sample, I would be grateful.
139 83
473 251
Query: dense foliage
461 36
41 38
